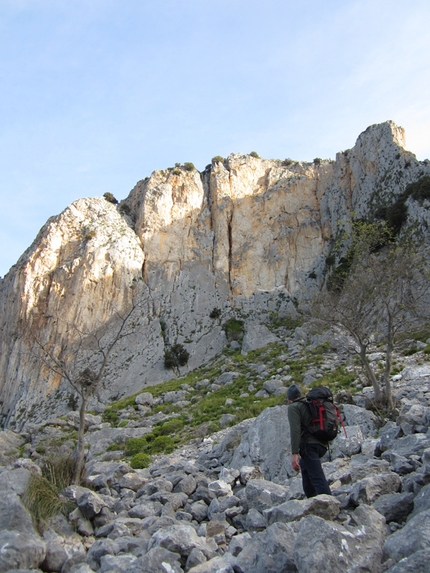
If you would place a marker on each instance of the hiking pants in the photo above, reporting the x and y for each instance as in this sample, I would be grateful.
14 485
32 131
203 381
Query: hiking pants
313 478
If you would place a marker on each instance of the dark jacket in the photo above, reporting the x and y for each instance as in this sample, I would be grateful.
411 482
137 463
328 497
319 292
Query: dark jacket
299 418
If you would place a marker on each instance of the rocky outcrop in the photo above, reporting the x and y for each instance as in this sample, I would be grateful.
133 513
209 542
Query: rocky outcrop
199 511
247 237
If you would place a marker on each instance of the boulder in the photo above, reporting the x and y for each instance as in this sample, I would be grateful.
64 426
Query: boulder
266 444
413 537
262 494
325 506
369 489
364 419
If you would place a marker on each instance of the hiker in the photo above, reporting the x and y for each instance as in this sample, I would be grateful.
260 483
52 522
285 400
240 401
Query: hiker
305 448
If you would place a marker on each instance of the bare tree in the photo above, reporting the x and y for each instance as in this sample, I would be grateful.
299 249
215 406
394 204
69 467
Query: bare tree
383 295
83 365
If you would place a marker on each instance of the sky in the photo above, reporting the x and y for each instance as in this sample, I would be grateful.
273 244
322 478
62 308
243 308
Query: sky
97 94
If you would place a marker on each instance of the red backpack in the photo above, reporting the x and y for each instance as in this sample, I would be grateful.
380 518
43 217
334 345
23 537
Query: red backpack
326 418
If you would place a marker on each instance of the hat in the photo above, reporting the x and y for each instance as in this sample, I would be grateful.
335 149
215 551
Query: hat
293 392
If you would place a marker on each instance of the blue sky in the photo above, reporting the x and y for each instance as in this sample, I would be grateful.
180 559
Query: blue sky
96 94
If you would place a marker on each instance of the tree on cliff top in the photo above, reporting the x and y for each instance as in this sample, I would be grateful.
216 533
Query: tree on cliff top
381 294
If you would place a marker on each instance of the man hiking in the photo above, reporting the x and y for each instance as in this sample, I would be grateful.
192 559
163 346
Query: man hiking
305 448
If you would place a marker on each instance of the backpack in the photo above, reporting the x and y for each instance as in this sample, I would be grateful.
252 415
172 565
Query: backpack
325 415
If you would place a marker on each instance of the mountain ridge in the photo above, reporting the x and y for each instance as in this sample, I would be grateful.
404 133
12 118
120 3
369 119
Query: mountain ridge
248 236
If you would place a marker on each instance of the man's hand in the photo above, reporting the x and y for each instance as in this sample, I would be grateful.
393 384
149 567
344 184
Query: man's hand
295 462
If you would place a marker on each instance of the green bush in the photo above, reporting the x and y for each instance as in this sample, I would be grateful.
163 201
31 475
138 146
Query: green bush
109 197
217 159
188 166
175 356
420 190
215 313
140 461
136 445
254 154
170 427
233 329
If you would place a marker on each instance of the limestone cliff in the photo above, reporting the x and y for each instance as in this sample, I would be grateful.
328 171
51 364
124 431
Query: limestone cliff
247 235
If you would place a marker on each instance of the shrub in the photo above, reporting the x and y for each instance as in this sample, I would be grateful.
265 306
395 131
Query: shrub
176 172
215 313
41 496
140 461
188 166
176 356
420 190
233 329
317 161
217 159
109 197
170 427
125 209
254 154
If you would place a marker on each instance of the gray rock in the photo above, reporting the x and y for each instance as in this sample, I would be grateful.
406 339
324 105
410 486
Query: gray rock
414 417
414 444
145 509
369 489
20 550
91 504
421 501
144 399
257 336
398 463
277 555
388 435
226 378
325 506
416 563
215 565
117 563
255 520
266 444
327 546
131 480
364 419
395 506
157 560
415 536
271 386
262 494
181 538
100 548
347 445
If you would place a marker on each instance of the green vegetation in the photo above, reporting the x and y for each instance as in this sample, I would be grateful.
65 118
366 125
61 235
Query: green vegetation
254 154
217 159
395 214
215 313
175 356
188 166
233 329
109 197
140 461
41 496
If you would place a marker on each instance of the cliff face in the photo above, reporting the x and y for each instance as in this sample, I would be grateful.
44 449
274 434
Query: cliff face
247 235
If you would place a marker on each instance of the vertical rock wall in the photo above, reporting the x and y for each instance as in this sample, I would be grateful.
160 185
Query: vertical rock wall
247 234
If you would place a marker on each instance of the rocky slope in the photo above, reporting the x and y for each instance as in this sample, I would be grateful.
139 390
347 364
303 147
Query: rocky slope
231 502
248 236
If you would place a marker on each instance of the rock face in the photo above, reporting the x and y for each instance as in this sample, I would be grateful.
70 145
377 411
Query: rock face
247 235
